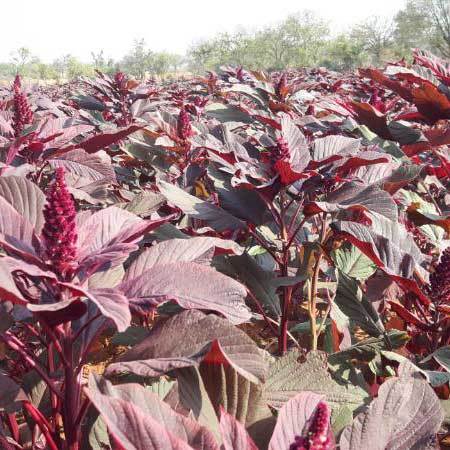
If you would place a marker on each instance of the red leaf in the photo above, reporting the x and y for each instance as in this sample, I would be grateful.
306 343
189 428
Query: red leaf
100 141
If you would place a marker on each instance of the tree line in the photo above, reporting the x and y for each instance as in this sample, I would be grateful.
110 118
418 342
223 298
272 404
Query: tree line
302 39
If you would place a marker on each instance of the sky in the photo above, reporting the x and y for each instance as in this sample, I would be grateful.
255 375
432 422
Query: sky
51 28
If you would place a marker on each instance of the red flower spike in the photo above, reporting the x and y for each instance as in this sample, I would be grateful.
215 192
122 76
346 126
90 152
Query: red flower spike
22 112
184 128
281 163
17 85
281 88
59 230
317 434
439 287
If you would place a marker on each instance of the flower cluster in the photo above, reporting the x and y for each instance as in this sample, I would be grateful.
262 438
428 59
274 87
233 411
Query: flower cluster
281 87
317 435
59 230
184 128
22 111
281 164
120 79
439 287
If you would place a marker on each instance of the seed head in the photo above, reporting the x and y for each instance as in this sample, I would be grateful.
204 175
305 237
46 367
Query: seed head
184 127
59 230
281 86
317 433
22 112
439 287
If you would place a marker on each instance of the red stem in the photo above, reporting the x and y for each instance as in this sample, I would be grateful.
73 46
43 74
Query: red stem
41 423
12 342
11 421
263 313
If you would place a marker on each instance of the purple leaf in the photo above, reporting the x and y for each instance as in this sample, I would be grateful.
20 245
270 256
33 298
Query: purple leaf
151 406
389 246
61 131
358 197
8 287
196 249
17 233
5 123
59 312
234 435
297 144
332 148
132 428
26 198
11 395
110 227
103 140
112 304
90 167
406 415
188 339
192 286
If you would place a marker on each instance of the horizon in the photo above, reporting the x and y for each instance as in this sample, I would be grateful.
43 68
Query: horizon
173 32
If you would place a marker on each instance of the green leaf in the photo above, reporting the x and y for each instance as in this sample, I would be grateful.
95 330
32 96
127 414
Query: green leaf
352 302
257 280
194 397
287 377
341 418
98 433
244 400
216 217
353 263
442 357
367 349
227 113
161 387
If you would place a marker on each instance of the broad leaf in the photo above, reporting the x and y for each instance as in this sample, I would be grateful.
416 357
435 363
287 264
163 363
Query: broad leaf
287 377
196 249
353 303
389 246
132 428
353 196
150 405
189 338
259 281
215 216
17 233
26 198
192 286
353 263
234 435
90 167
406 415
332 148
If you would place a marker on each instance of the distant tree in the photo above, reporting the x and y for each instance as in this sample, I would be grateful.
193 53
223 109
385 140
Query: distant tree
98 59
297 41
343 53
162 63
413 27
46 71
68 67
376 37
21 57
438 12
424 24
137 61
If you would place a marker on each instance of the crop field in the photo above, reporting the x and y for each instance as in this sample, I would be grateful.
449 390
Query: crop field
241 260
